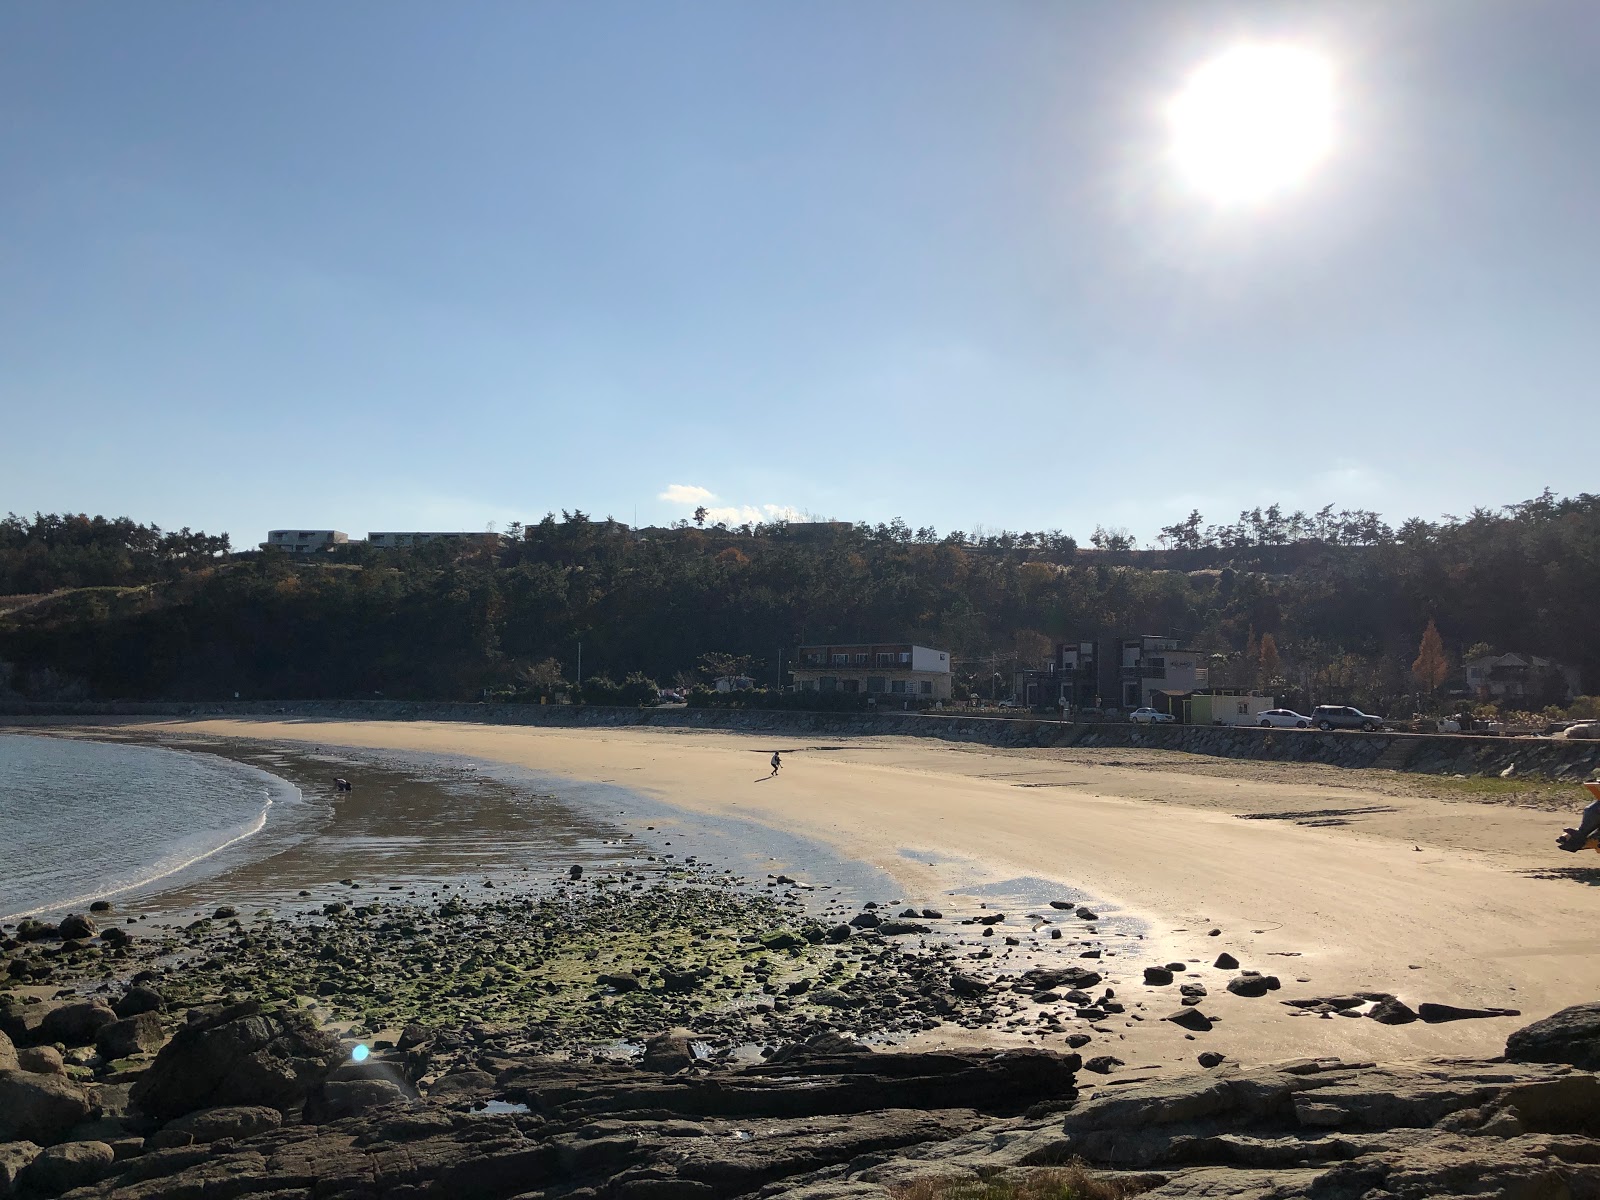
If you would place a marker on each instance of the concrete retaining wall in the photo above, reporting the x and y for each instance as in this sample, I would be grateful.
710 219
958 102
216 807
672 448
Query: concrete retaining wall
1431 753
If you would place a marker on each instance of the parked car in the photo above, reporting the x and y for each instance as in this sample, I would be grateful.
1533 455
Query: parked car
1010 702
1149 716
1284 718
1342 716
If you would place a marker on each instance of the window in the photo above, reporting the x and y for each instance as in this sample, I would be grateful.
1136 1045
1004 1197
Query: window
898 687
808 685
885 660
841 660
861 659
1244 709
874 683
927 687
905 656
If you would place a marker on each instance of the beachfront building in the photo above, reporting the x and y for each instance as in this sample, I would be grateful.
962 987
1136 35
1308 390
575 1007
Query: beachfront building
304 541
893 670
408 539
1523 678
1112 671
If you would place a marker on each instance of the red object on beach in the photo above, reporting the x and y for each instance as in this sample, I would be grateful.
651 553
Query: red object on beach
1594 788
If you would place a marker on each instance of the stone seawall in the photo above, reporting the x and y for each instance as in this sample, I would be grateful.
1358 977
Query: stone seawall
1427 753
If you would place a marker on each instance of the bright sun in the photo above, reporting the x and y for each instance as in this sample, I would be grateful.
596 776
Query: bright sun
1253 123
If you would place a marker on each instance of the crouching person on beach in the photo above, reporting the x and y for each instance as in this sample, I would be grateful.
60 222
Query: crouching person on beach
1589 825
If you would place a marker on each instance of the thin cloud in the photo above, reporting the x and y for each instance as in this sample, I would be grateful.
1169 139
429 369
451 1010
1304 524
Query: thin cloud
686 493
752 514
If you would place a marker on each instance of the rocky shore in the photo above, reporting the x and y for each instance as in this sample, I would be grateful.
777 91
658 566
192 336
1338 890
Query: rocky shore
248 1101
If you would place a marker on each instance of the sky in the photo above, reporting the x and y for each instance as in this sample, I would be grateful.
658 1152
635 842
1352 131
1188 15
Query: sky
399 265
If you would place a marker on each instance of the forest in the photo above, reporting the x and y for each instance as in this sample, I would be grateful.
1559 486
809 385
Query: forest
108 608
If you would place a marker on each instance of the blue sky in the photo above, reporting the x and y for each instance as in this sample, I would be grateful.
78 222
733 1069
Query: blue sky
409 265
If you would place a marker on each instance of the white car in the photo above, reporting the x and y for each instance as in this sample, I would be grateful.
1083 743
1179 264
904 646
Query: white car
1149 716
1283 718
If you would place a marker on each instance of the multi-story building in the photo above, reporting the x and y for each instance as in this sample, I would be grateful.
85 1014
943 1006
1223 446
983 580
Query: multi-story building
1525 677
1114 672
892 670
405 541
303 541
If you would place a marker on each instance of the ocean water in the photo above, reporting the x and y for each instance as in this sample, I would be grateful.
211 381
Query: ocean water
82 821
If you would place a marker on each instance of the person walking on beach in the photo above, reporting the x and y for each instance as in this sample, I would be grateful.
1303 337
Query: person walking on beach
777 761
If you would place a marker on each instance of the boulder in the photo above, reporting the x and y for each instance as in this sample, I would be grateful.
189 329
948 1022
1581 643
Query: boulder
866 920
667 1052
1157 976
1436 1014
132 1035
1571 1036
1253 985
76 1024
138 999
620 982
62 1168
1226 962
1191 1018
39 1108
1104 1064
233 1121
340 1098
1211 1059
41 1060
75 926
8 1054
1393 1012
898 928
14 1156
241 1055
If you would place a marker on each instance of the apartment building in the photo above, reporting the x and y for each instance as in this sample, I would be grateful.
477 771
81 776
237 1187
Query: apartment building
895 670
303 541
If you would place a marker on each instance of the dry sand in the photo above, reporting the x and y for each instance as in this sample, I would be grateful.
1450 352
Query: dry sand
1429 898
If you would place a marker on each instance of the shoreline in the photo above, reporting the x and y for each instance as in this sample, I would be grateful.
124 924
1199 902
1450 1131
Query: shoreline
1330 906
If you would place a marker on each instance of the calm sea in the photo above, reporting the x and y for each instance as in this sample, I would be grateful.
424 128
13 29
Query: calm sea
84 820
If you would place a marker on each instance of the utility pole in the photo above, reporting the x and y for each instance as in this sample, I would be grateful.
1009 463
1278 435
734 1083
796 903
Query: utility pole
580 668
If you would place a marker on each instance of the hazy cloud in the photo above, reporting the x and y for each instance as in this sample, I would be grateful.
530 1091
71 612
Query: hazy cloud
686 493
742 514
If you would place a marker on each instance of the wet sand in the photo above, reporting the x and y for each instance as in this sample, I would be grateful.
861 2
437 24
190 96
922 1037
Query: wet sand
1426 898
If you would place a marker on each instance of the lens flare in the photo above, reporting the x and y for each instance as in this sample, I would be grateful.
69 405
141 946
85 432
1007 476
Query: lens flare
359 1053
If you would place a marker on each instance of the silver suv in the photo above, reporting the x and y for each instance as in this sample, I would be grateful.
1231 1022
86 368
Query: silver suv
1340 716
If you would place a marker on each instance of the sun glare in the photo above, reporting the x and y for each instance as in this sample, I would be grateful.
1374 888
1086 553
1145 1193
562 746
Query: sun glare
1253 123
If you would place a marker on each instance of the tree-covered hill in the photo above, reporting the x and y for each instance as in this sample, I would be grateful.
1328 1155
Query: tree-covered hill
1344 598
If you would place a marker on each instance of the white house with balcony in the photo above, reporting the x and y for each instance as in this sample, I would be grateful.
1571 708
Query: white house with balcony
890 671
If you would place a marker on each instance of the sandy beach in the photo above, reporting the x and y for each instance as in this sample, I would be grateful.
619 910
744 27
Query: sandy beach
1334 882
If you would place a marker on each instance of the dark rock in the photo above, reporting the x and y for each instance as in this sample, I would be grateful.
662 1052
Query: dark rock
75 1024
836 934
1226 962
31 930
412 1036
1103 1064
1211 1058
575 871
866 920
140 1034
236 1121
823 1045
783 939
41 1060
1571 1036
1252 985
1076 1040
8 1056
667 1052
1192 1019
139 999
683 981
1392 1012
1195 990
14 1156
62 1168
340 1098
990 918
932 914
969 986
39 1108
336 908
76 926
620 982
1087 914
224 913
1157 976
901 928
1063 905
239 1056
100 906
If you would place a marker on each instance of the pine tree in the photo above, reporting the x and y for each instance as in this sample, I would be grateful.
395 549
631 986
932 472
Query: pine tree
1268 659
1432 667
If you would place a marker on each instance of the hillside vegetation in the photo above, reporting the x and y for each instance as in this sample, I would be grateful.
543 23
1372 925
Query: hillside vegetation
1326 608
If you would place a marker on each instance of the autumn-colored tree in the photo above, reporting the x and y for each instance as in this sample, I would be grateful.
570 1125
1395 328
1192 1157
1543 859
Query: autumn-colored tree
1268 659
1432 667
1251 662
